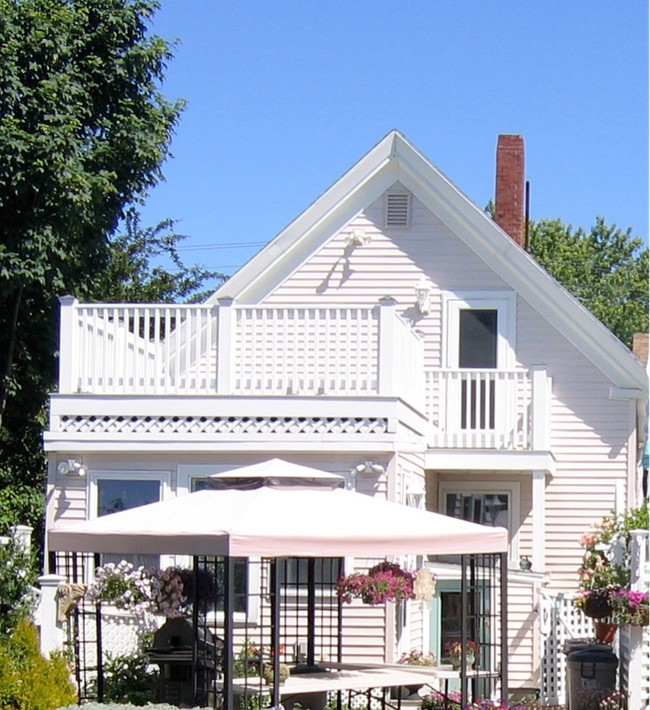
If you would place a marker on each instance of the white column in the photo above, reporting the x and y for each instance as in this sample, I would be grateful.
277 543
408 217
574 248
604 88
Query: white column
224 345
52 636
638 544
541 409
386 348
68 359
539 520
23 535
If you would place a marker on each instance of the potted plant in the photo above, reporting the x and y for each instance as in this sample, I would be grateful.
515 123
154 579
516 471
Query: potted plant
605 569
454 651
416 657
384 582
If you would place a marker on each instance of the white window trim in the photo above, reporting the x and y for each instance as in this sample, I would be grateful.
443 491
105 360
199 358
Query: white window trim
501 300
510 488
164 477
188 472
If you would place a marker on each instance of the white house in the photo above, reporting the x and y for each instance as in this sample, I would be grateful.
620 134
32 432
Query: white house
396 334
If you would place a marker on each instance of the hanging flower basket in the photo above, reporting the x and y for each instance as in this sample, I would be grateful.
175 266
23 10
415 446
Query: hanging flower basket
597 603
385 582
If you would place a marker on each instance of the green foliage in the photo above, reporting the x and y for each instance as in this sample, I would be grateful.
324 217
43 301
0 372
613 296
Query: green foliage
28 681
127 679
600 567
17 575
605 268
84 130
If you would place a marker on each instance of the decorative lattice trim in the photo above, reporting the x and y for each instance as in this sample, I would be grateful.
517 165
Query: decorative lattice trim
139 424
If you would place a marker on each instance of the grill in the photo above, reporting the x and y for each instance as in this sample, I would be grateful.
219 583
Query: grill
182 672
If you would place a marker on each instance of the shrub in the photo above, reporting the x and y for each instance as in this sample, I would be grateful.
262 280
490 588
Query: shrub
28 680
127 680
17 576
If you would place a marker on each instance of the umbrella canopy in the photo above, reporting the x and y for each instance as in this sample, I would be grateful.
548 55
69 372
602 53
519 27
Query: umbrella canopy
277 519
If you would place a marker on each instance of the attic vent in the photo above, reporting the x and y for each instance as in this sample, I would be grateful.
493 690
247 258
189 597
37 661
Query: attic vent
397 210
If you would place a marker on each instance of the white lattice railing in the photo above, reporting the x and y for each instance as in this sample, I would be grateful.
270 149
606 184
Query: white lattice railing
560 621
226 349
241 350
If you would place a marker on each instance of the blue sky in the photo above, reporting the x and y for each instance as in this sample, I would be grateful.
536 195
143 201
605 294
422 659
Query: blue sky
285 95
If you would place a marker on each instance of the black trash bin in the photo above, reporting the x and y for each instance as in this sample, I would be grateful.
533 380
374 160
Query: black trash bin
591 672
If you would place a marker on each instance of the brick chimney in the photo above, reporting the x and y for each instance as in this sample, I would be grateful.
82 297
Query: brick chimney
510 193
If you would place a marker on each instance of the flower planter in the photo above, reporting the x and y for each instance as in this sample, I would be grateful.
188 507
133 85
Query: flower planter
456 662
597 606
605 632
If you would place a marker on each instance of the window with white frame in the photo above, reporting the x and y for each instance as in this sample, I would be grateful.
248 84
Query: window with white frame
115 491
493 504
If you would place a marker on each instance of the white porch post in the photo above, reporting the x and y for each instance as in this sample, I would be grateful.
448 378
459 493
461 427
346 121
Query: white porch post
539 519
68 355
541 409
637 694
225 323
386 347
52 636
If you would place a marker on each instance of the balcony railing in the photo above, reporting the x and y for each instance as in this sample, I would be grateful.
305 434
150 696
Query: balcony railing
238 350
260 351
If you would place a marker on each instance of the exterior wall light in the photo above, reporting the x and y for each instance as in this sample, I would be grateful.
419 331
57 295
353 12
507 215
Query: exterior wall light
72 467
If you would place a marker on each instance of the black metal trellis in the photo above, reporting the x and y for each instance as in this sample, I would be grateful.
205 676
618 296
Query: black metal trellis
261 614
484 620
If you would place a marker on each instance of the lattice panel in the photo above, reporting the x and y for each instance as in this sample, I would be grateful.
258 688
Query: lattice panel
109 424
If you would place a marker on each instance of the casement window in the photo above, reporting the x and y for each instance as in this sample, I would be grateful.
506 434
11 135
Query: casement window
495 504
115 491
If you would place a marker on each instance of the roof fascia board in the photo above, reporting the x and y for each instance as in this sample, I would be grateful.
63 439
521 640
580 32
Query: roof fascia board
242 285
522 272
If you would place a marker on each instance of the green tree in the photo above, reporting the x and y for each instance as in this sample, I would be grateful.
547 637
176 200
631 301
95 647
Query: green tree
130 275
605 268
84 130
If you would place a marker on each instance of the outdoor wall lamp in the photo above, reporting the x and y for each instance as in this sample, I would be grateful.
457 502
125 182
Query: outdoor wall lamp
72 467
357 238
423 296
369 468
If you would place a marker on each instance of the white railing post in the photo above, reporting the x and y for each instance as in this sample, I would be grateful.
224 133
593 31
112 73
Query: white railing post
637 692
386 348
52 636
68 355
540 418
23 536
224 316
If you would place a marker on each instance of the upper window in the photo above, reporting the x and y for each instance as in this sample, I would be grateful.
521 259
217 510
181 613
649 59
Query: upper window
480 329
477 338
398 209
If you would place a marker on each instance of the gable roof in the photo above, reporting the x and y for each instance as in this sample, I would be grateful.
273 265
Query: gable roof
394 159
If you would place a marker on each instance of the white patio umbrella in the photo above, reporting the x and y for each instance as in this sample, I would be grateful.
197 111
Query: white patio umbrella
282 512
